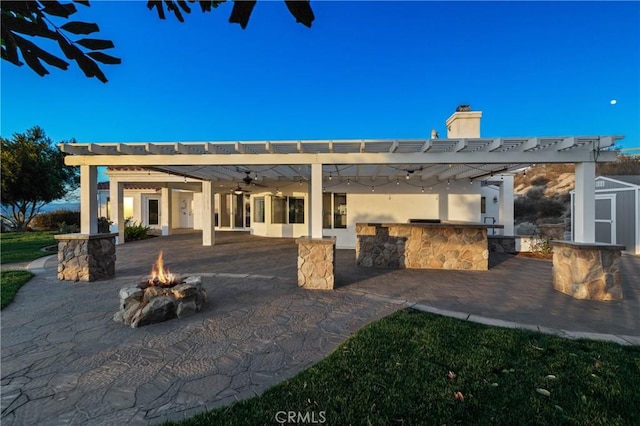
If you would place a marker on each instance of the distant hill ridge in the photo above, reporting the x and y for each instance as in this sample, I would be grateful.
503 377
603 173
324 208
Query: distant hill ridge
559 179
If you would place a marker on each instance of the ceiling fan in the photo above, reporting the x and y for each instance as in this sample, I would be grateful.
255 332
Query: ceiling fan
247 179
239 191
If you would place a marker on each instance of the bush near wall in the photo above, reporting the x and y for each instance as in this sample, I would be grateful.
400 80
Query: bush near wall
134 231
51 221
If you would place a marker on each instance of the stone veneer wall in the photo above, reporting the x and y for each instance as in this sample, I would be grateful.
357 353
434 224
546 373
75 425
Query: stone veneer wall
316 262
587 271
502 244
83 257
422 246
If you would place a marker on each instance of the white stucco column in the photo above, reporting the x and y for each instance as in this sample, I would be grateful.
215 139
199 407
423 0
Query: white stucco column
208 228
315 198
585 203
443 205
506 205
89 200
165 213
116 207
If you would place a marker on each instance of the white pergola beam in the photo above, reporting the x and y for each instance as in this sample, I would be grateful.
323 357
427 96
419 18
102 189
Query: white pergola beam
239 148
101 149
334 158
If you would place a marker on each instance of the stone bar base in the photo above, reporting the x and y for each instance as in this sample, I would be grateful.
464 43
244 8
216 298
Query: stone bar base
502 244
316 262
83 257
587 271
422 246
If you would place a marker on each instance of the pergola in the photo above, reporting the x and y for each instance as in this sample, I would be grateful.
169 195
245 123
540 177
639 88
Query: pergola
370 161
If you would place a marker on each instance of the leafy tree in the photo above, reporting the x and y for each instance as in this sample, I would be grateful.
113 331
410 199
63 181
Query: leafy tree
34 19
33 174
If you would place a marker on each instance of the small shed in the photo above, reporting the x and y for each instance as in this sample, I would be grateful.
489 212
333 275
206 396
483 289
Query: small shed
617 211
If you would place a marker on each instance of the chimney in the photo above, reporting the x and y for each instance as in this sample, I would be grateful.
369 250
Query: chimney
464 123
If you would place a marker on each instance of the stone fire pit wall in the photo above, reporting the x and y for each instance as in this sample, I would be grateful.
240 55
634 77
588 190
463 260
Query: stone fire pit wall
587 271
316 262
83 257
444 245
155 304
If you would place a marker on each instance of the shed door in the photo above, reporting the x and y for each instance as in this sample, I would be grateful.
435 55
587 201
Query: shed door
605 218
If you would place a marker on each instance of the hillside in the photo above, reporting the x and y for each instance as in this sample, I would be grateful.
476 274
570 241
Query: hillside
559 179
542 192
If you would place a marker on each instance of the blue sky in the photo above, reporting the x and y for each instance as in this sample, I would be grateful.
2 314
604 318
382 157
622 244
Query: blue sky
364 70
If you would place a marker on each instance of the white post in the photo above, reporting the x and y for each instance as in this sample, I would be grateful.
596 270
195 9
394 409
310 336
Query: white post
208 228
443 205
89 200
585 203
315 198
165 214
116 201
506 205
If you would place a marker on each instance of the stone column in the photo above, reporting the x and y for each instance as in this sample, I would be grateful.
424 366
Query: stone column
83 257
316 262
89 199
587 271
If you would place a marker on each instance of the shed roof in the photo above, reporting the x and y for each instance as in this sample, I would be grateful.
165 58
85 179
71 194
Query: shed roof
632 179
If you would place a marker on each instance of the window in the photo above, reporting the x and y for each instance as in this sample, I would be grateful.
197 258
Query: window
339 210
279 210
334 210
154 212
296 210
258 209
483 205
326 210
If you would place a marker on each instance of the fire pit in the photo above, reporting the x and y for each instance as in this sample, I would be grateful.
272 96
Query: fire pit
162 297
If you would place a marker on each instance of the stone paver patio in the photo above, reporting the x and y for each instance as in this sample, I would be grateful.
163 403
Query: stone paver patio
65 361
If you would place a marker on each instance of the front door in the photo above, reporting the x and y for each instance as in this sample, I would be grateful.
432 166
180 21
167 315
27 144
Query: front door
186 210
605 218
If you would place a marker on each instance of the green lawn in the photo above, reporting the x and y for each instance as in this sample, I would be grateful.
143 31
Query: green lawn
414 368
10 283
24 246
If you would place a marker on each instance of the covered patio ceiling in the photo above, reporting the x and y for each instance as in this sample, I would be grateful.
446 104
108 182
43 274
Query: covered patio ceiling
366 161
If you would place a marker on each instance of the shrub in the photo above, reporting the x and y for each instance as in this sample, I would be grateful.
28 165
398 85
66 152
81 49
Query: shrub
104 225
535 193
550 207
541 246
63 228
51 221
524 208
134 231
540 181
526 228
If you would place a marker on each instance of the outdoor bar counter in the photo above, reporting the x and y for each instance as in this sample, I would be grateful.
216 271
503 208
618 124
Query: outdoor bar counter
423 245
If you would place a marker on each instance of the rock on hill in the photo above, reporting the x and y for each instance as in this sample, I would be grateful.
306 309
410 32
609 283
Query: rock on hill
553 179
559 179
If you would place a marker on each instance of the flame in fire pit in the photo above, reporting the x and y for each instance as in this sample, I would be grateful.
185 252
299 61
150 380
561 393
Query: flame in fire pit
161 275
